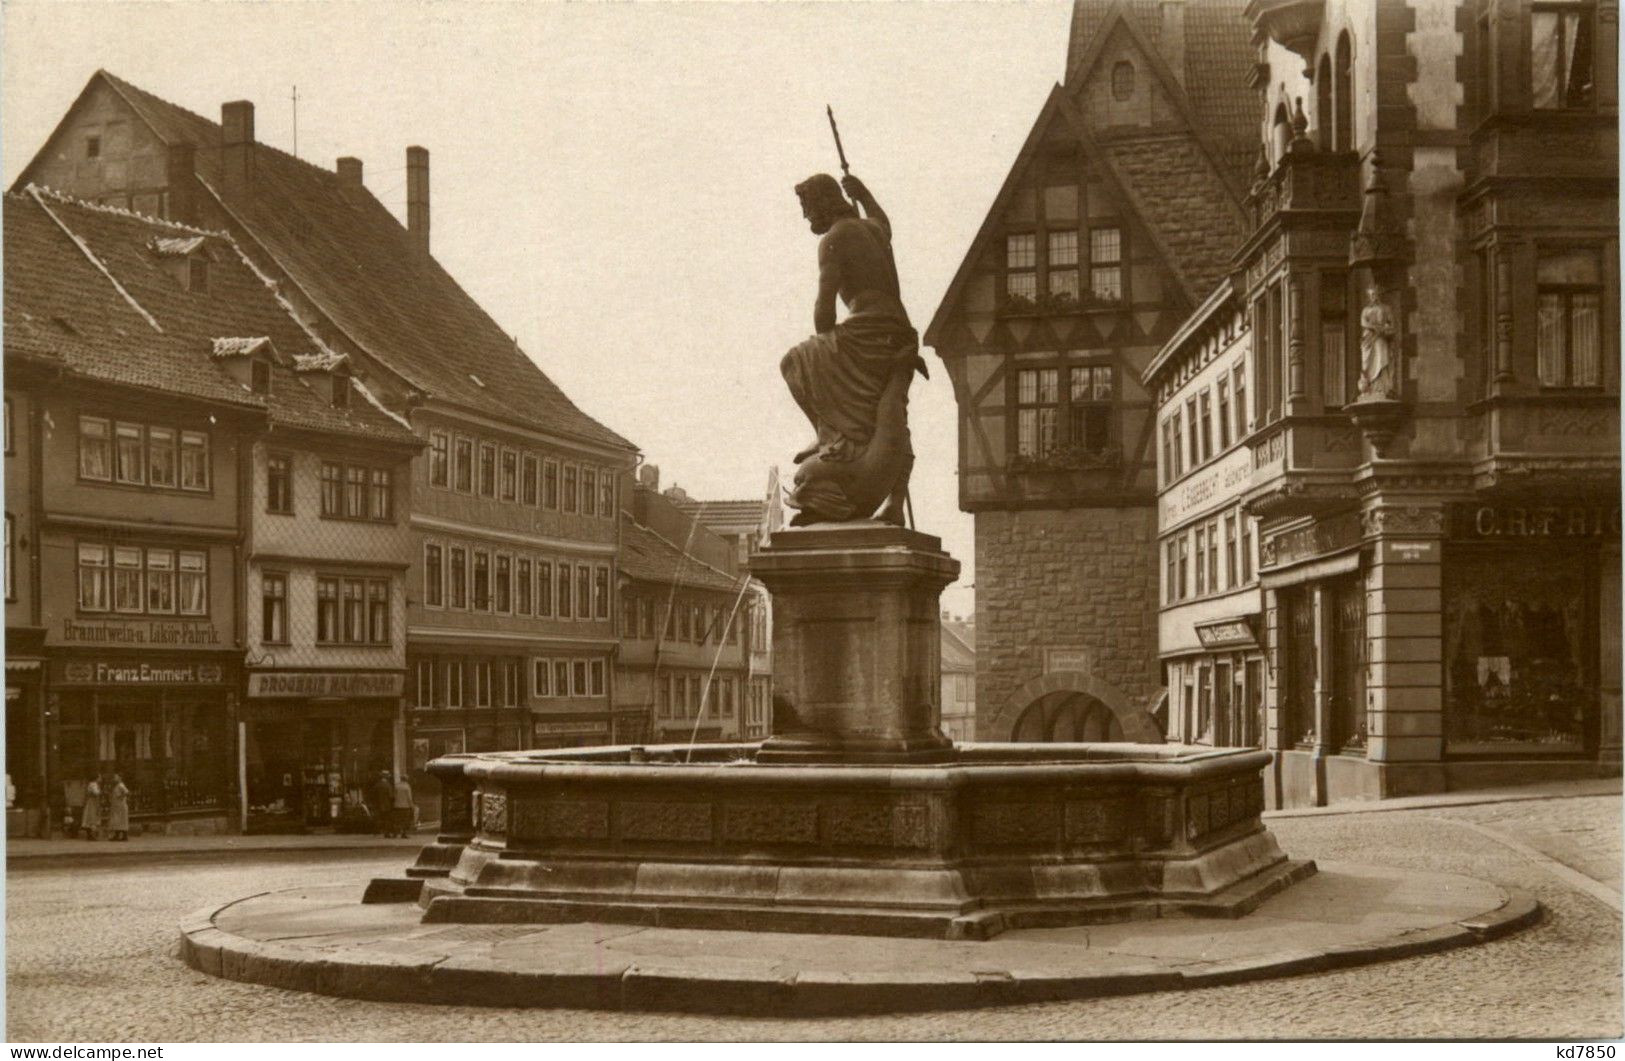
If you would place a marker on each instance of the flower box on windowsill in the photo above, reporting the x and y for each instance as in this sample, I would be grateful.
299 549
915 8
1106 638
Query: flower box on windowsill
1067 459
1056 303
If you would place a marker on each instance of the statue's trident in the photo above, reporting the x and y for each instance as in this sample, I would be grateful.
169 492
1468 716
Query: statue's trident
833 128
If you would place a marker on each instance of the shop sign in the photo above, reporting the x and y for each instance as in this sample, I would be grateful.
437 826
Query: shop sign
136 672
583 726
1305 543
321 684
1424 552
1211 486
1227 633
1068 660
1536 521
139 632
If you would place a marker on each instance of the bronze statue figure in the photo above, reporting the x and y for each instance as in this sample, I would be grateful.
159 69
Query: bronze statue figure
852 377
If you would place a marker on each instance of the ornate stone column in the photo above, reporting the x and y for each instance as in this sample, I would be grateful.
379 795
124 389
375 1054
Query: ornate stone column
856 649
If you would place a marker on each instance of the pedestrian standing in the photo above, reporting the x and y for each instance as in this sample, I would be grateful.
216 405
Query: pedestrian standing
383 799
90 819
118 809
403 806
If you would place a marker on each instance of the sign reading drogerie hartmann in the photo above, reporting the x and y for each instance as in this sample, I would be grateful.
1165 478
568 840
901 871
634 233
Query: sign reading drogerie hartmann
325 683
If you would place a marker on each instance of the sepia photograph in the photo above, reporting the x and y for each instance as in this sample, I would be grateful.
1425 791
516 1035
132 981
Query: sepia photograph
904 521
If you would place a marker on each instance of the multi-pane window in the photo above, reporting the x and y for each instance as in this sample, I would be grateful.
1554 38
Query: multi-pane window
424 693
550 484
127 583
571 498
1212 556
541 675
1338 370
434 575
1106 264
352 491
439 459
161 456
564 609
583 591
1238 376
95 448
561 677
482 684
510 684
1037 397
600 592
352 611
93 577
332 489
606 494
274 608
194 460
504 586
1201 561
589 491
1561 41
454 683
1181 579
381 494
482 580
1176 446
1204 402
1246 550
1063 265
129 463
522 586
1089 414
1224 413
544 588
578 677
1230 571
278 483
595 677
510 475
161 581
462 470
528 480
457 570
1170 574
488 469
355 492
192 583
1194 425
1568 328
699 623
1021 267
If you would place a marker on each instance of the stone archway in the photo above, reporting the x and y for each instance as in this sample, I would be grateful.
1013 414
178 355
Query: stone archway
1069 706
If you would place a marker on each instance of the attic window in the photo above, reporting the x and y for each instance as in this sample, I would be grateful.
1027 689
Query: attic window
1122 80
341 390
197 273
93 147
260 376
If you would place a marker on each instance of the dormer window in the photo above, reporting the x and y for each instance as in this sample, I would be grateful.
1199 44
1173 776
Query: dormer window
197 273
341 390
259 376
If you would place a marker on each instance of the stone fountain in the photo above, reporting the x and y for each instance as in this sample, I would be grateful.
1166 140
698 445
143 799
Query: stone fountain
856 815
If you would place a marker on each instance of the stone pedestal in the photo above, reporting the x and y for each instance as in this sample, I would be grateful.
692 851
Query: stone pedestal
856 649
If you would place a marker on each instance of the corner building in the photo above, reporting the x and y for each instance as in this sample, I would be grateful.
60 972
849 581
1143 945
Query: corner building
1117 217
1431 342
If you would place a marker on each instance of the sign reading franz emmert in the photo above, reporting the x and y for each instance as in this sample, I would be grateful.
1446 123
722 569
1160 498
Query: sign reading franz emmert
852 377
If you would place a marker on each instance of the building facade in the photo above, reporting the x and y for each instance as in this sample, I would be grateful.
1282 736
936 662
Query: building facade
1119 213
958 679
1426 308
685 661
513 521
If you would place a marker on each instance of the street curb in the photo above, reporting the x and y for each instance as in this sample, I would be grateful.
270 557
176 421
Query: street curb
649 985
71 857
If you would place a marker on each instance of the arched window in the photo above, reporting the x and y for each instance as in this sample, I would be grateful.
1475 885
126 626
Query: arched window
1280 133
1323 104
1343 96
1122 80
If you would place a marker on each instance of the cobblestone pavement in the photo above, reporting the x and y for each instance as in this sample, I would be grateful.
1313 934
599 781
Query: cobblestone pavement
90 958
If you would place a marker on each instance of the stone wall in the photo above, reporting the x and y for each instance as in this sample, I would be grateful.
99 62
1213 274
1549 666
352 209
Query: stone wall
1077 581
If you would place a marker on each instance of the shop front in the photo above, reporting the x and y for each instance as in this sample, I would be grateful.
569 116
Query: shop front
570 731
26 786
1527 670
314 742
162 723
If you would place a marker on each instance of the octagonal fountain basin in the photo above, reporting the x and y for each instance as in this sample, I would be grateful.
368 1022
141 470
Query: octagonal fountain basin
1001 836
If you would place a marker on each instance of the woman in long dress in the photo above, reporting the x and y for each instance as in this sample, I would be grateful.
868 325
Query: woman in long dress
118 809
90 820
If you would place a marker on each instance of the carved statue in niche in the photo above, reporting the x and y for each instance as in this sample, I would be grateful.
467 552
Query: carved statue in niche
1378 344
851 378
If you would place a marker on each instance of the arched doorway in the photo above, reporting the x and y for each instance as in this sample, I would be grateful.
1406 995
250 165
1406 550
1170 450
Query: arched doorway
1071 706
1067 717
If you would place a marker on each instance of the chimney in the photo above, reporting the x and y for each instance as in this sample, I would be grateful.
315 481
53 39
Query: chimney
417 197
350 172
1172 39
649 477
237 145
180 182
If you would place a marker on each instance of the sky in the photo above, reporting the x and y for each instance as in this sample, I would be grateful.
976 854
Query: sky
613 181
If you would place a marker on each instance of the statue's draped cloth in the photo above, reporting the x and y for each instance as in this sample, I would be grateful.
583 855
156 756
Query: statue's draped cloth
838 377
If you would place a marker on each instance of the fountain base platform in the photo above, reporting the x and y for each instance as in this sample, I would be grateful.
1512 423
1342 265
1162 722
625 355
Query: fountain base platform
1002 836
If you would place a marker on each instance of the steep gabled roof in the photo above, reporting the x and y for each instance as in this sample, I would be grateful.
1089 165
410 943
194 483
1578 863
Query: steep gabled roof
350 255
63 260
1188 210
724 515
648 557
